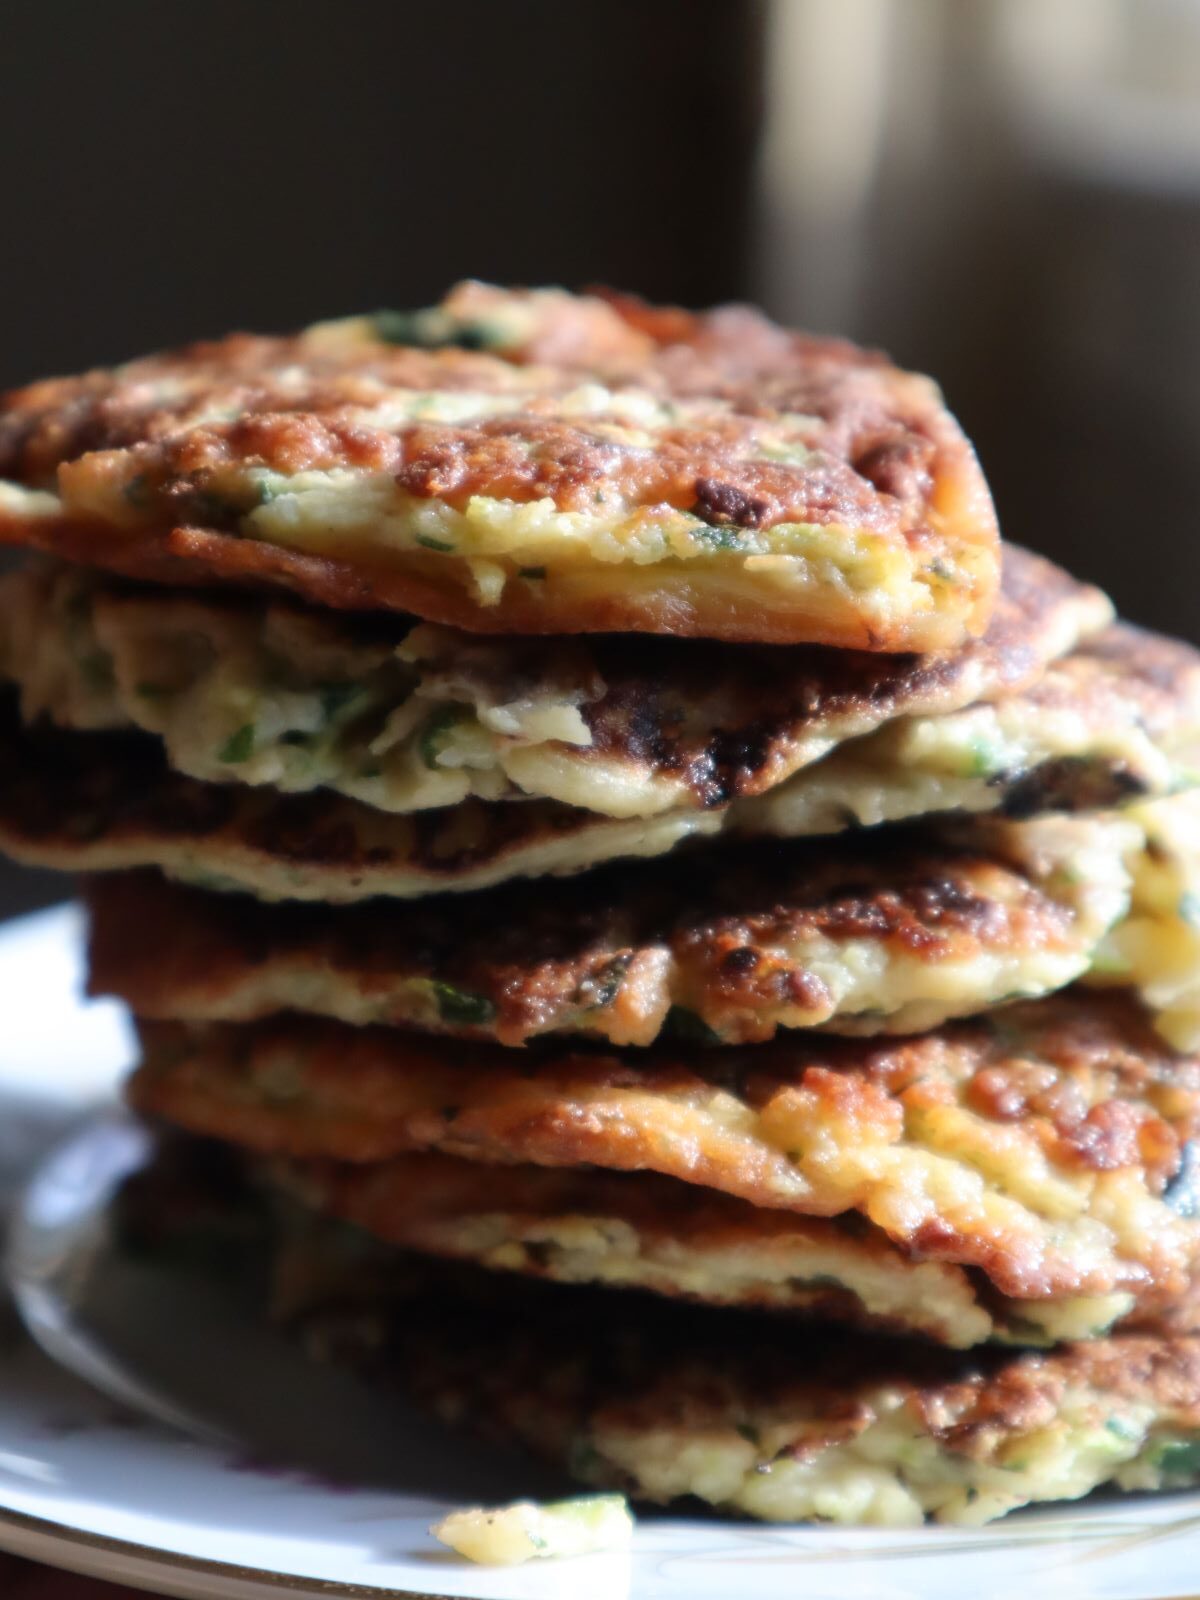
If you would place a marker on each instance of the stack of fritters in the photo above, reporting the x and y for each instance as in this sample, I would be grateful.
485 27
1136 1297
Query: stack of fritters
580 789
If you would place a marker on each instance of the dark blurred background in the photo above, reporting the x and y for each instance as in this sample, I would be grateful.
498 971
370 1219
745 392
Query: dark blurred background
1006 194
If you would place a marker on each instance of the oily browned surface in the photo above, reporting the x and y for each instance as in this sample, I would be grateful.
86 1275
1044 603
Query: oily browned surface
881 454
669 723
612 1386
745 937
1122 666
880 444
668 1362
584 1383
83 802
1122 676
631 1230
712 721
998 1143
684 707
436 1204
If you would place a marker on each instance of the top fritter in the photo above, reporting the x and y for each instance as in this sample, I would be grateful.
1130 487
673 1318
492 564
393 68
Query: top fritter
527 462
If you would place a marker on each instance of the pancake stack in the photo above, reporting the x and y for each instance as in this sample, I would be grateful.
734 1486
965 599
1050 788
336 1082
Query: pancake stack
703 939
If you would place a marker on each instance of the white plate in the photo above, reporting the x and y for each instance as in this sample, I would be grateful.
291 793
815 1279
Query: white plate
90 1484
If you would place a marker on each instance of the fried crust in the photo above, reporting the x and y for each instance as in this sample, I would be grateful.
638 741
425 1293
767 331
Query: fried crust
662 724
80 802
1038 1144
891 931
640 1230
754 429
758 1417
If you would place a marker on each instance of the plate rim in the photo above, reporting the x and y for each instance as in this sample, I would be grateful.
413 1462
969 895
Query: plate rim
283 1583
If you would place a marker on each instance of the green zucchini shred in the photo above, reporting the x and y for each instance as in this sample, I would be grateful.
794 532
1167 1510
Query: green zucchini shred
239 746
460 1007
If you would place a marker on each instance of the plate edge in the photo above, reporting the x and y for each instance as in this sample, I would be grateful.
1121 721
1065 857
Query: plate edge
203 1566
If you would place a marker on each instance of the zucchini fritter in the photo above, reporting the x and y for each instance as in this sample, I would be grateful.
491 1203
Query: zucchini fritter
890 931
1045 1144
1117 719
638 1230
755 1415
406 718
516 462
101 802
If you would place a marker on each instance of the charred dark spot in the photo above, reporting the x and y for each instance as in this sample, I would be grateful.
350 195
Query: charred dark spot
898 466
1072 783
740 963
724 505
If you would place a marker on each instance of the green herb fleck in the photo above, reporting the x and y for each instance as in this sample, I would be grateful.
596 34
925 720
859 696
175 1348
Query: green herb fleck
716 535
265 491
750 1433
460 1007
985 758
1179 1458
428 542
605 985
435 735
690 1026
239 746
336 697
1123 1430
434 329
137 492
536 1540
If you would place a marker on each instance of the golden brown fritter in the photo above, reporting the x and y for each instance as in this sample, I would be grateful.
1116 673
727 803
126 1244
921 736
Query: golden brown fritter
407 718
1045 1144
81 802
584 466
639 1230
756 1416
889 931
1117 719
87 802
